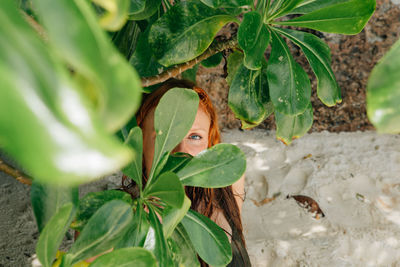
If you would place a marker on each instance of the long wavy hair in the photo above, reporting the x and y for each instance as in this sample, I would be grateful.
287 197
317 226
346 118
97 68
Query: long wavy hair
204 200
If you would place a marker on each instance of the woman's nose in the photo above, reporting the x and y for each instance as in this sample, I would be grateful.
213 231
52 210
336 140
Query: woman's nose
180 148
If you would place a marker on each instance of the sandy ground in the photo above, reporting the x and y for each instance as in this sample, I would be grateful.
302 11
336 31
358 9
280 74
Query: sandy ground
352 177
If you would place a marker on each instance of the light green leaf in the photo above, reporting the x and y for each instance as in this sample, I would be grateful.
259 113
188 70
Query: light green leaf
172 216
173 118
48 199
383 94
234 61
181 248
227 3
168 188
150 8
52 235
102 231
114 15
319 56
134 169
209 240
289 127
344 18
253 38
218 166
289 85
308 6
185 31
138 257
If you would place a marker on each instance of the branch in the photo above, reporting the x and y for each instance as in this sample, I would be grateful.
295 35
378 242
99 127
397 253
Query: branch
36 26
178 69
21 177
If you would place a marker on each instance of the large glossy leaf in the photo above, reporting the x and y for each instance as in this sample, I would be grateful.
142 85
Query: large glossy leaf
253 38
168 188
181 248
64 142
289 85
289 127
249 97
185 31
285 8
234 62
177 161
383 94
110 81
308 6
52 235
134 169
227 3
91 202
345 18
209 240
172 216
102 231
173 118
319 56
151 7
48 199
138 257
114 13
218 166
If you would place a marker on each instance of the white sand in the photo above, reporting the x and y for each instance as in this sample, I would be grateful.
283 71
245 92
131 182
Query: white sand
355 179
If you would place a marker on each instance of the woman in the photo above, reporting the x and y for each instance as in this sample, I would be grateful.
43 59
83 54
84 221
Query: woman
222 205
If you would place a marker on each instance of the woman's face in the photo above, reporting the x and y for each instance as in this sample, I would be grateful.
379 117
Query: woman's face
195 140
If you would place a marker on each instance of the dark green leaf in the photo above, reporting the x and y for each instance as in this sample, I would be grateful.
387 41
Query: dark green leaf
137 6
289 85
102 232
185 31
138 257
172 216
218 166
227 3
182 250
173 118
134 169
308 6
319 56
176 162
345 18
126 39
48 199
209 240
114 13
52 235
151 7
191 74
289 127
253 38
285 8
92 202
212 61
234 61
168 188
383 94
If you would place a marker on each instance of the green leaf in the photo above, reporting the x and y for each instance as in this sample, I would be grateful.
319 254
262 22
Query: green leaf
212 61
114 13
65 142
191 74
126 39
249 97
138 257
289 85
308 6
172 216
218 166
91 202
53 234
168 188
383 94
290 127
234 61
344 18
136 6
111 82
319 56
227 3
209 240
185 31
285 8
173 118
134 169
182 250
48 199
137 231
151 7
176 162
103 230
253 38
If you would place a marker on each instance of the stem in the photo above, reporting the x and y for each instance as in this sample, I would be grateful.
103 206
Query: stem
178 69
36 26
19 176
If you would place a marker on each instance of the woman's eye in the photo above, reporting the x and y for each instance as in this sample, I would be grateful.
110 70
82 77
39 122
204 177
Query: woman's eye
195 137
